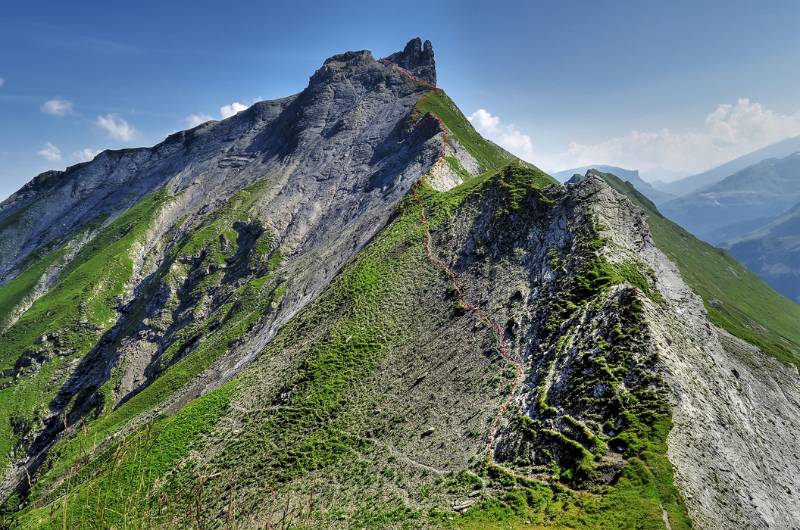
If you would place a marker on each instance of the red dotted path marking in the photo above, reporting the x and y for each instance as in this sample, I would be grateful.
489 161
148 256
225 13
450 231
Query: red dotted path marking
502 345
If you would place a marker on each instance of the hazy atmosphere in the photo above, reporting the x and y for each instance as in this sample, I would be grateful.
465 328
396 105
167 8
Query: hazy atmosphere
400 266
669 89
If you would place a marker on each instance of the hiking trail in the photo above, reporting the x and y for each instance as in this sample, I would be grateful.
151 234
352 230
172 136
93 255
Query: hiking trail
416 119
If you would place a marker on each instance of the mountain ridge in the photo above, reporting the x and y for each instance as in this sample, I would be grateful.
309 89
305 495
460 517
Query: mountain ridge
631 175
710 177
316 331
733 296
234 168
740 202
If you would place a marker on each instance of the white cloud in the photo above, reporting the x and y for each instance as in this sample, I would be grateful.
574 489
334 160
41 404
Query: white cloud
728 132
2 82
483 120
193 120
57 107
505 135
116 127
85 155
226 111
50 152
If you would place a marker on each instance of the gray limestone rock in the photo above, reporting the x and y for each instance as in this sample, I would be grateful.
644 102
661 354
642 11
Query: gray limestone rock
417 58
736 410
334 160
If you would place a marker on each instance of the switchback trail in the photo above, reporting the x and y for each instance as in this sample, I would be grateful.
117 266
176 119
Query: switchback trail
516 361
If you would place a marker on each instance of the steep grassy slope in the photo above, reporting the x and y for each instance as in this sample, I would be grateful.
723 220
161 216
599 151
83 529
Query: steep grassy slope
316 348
736 299
202 317
488 155
370 409
63 325
165 293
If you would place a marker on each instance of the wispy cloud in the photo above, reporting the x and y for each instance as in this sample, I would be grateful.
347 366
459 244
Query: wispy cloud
57 107
116 127
85 155
2 82
58 37
193 120
50 152
504 135
55 36
226 111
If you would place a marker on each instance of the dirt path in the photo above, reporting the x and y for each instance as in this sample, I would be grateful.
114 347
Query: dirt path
502 345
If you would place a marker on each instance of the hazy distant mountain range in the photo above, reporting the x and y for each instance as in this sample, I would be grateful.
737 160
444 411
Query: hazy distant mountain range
714 175
773 252
631 175
741 202
347 309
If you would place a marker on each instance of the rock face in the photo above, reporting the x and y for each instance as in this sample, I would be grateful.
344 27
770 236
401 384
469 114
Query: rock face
630 175
417 58
265 304
352 110
332 163
735 410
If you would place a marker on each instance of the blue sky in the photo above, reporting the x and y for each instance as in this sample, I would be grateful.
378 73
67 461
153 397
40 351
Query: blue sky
666 87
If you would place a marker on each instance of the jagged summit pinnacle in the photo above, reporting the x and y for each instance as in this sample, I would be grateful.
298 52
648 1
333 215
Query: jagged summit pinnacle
281 275
418 59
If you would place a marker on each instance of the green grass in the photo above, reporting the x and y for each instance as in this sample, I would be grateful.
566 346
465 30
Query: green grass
509 185
116 490
87 287
644 490
15 291
149 477
736 299
199 344
311 430
634 502
488 155
152 474
646 483
309 433
78 309
631 272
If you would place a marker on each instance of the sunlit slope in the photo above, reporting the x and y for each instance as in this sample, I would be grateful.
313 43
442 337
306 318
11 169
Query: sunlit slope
736 299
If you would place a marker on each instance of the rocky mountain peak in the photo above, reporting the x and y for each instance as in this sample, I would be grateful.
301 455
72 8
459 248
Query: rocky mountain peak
417 58
284 275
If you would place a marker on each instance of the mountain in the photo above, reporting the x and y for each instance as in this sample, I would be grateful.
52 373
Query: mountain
708 178
741 202
736 299
345 308
773 252
631 175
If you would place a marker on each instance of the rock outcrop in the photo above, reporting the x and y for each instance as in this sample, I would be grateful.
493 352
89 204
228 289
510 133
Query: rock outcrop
331 163
735 410
417 58
330 311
